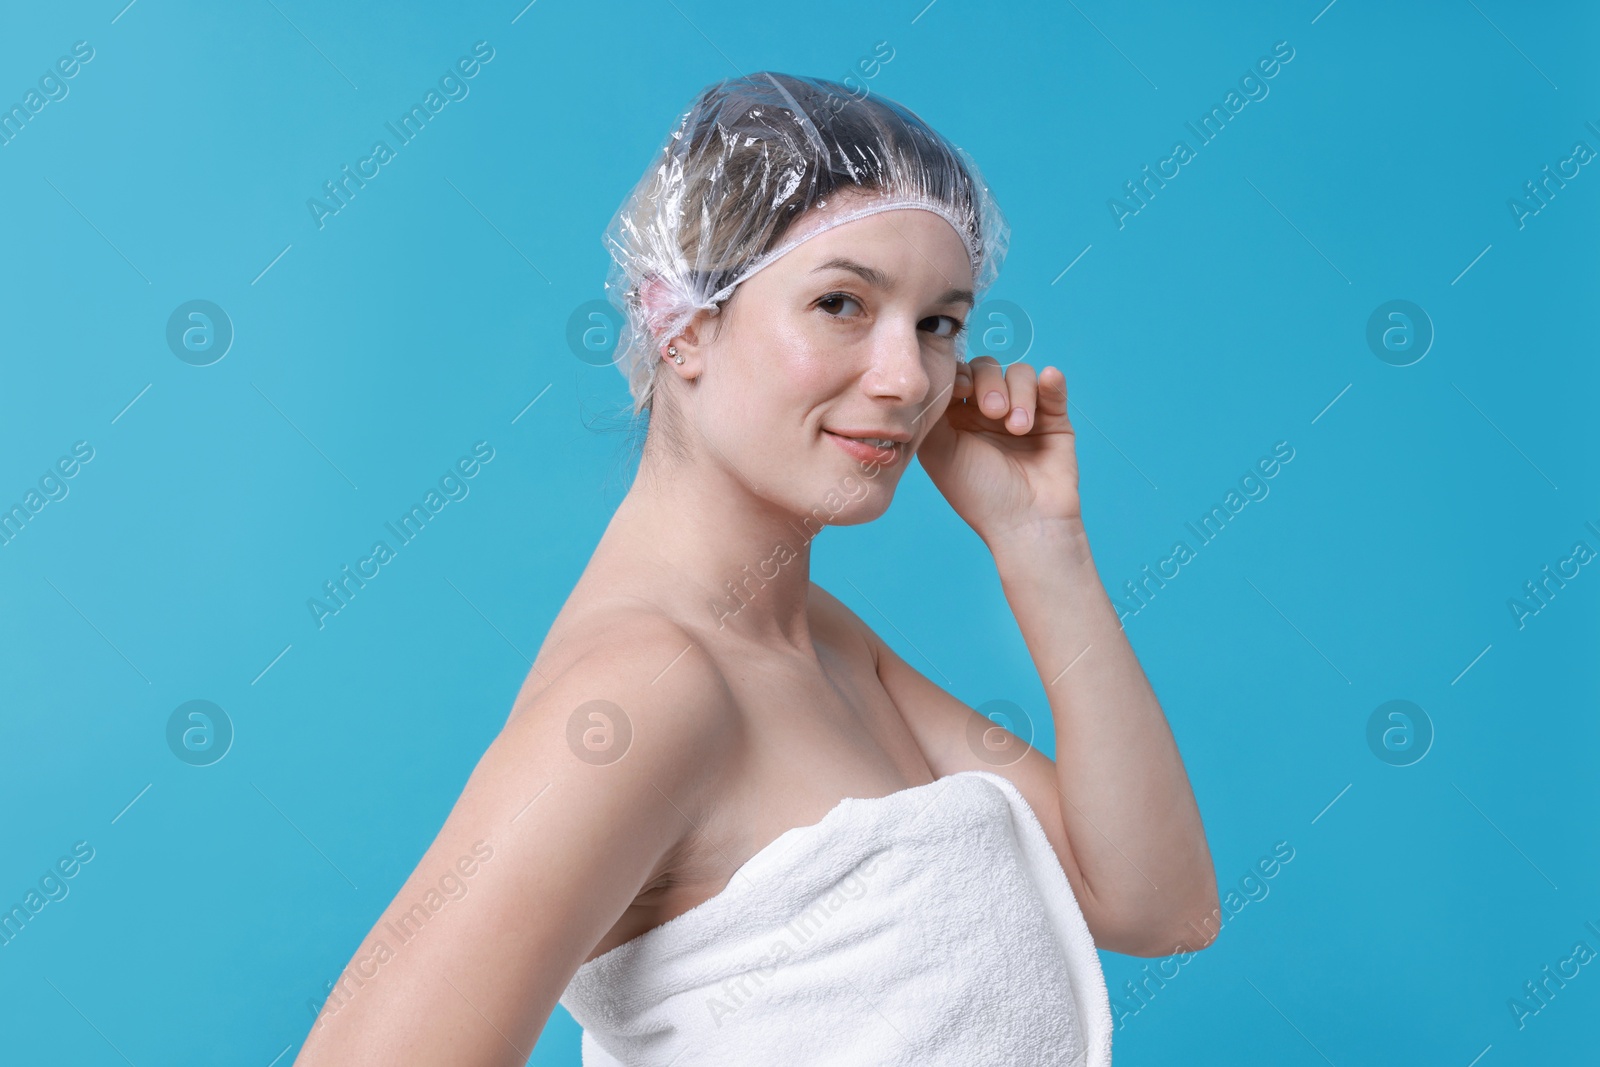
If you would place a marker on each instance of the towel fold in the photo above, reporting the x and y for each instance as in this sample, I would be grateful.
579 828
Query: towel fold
933 926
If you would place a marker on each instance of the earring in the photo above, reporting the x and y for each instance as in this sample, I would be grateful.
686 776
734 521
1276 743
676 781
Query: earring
672 350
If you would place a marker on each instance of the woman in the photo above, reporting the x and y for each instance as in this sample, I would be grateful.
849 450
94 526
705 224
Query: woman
725 821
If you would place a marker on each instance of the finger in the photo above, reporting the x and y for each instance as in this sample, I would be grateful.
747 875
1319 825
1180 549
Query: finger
989 387
1023 382
1052 391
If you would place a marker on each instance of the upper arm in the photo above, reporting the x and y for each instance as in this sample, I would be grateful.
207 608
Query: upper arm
559 834
955 737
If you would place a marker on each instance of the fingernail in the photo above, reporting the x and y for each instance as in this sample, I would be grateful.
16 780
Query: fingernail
1019 417
994 397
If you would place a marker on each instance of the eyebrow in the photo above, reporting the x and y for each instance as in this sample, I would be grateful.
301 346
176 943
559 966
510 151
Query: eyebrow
875 277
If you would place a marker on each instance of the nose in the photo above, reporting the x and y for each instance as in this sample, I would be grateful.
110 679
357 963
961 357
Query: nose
896 370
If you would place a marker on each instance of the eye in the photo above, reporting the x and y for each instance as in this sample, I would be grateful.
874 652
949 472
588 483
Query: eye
836 299
955 331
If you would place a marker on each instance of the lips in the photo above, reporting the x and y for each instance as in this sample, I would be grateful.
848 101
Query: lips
869 449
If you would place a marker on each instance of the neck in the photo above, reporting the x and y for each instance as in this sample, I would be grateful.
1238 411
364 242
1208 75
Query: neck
697 541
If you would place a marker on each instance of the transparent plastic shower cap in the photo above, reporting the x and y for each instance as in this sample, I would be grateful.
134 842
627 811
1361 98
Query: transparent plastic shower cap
733 189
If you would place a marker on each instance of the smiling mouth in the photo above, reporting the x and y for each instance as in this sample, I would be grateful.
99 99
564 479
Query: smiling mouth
879 450
876 442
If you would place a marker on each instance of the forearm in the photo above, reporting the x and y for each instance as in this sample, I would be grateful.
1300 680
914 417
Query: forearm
1130 813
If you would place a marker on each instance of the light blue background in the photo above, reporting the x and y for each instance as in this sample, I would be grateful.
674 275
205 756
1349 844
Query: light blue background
1227 315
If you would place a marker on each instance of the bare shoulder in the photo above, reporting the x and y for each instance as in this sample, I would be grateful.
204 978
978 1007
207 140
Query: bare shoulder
943 724
596 779
840 621
636 638
639 729
631 689
955 737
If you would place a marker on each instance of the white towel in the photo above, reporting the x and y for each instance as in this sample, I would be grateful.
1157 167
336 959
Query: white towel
933 926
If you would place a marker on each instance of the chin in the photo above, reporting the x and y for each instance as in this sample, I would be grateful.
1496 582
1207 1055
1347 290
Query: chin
852 499
856 517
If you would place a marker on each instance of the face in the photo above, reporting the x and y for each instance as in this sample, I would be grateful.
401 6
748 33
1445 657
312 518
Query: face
850 335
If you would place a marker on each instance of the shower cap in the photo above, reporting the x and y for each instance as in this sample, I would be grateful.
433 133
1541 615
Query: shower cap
730 191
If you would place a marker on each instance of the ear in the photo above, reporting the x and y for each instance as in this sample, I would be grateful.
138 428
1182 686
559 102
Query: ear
660 303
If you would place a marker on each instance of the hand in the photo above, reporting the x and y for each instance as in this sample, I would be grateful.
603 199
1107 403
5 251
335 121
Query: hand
1002 471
